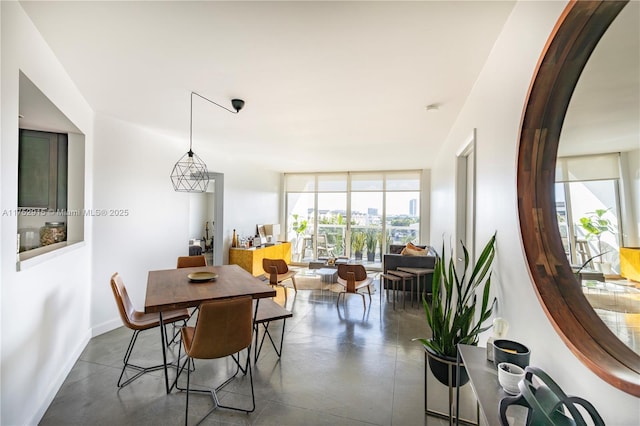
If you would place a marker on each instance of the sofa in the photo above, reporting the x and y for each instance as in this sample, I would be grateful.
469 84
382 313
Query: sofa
394 259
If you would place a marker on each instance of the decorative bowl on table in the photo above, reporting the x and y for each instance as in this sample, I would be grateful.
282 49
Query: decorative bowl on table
509 375
509 351
201 277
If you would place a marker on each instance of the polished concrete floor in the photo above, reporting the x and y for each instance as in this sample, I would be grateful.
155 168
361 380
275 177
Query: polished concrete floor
340 366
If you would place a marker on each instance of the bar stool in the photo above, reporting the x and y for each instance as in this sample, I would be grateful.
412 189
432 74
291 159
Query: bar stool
384 283
404 276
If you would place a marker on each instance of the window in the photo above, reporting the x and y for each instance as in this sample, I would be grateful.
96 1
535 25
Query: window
351 214
588 209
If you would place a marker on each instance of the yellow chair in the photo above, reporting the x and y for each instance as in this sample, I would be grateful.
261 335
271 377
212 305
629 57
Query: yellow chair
139 321
353 278
278 272
224 328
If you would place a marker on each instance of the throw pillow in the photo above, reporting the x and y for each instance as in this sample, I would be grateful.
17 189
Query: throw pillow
413 250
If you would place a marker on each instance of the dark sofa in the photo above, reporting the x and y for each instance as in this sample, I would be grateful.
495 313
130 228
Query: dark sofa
394 259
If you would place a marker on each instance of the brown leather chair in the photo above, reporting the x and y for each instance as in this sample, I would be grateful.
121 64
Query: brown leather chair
224 328
278 271
191 261
139 321
353 278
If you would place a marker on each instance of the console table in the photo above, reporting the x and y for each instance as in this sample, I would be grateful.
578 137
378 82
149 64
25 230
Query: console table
250 259
483 377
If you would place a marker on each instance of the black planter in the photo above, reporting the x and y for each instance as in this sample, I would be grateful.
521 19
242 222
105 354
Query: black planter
358 255
371 257
439 366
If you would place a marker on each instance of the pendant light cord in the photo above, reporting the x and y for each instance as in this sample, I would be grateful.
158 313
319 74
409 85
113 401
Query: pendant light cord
191 114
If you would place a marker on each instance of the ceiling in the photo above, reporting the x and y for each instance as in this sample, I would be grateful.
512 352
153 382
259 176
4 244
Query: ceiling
604 112
328 85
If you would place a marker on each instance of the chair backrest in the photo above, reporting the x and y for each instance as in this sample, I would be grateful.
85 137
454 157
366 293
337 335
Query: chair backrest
125 307
280 264
223 328
359 271
191 261
351 274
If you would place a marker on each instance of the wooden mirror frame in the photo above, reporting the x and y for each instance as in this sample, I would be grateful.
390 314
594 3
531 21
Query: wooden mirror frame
570 45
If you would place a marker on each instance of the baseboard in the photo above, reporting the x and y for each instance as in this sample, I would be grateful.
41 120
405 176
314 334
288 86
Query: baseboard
106 327
56 384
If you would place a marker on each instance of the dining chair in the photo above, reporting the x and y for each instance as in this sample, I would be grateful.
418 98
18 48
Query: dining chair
191 261
323 246
139 321
224 328
278 272
353 278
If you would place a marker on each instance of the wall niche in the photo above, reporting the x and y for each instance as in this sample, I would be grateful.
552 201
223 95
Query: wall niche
51 177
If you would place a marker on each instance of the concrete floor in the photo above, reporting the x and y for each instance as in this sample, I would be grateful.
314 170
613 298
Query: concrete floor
340 366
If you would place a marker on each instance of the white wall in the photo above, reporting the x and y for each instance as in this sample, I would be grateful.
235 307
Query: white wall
132 167
45 309
494 107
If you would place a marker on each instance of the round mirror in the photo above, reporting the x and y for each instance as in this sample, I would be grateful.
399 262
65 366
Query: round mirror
571 44
598 154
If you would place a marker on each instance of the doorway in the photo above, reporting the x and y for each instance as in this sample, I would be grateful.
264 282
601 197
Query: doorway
466 200
206 218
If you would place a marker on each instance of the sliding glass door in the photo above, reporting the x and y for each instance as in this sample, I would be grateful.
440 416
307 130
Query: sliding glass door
353 215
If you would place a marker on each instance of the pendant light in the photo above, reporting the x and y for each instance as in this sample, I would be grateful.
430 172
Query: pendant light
190 173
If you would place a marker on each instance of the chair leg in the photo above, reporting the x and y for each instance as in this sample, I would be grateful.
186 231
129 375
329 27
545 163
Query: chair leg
141 370
176 333
293 280
284 288
212 392
186 410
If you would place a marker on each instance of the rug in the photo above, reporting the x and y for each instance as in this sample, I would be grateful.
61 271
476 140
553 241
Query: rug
311 282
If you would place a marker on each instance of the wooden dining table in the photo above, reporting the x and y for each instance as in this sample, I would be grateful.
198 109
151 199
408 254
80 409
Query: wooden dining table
171 289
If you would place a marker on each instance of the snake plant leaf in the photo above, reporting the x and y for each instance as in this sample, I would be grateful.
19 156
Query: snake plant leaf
452 315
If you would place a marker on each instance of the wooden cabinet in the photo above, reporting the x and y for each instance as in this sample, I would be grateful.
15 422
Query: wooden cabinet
251 259
630 263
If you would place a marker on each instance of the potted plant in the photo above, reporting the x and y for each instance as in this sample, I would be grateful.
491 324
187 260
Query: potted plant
299 226
381 241
372 242
452 314
595 224
357 244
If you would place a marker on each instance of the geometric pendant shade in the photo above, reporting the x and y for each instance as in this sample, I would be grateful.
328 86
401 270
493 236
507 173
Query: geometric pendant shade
190 174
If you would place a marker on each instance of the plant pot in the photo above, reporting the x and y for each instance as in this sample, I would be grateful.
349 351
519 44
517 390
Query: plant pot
371 257
439 366
358 255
